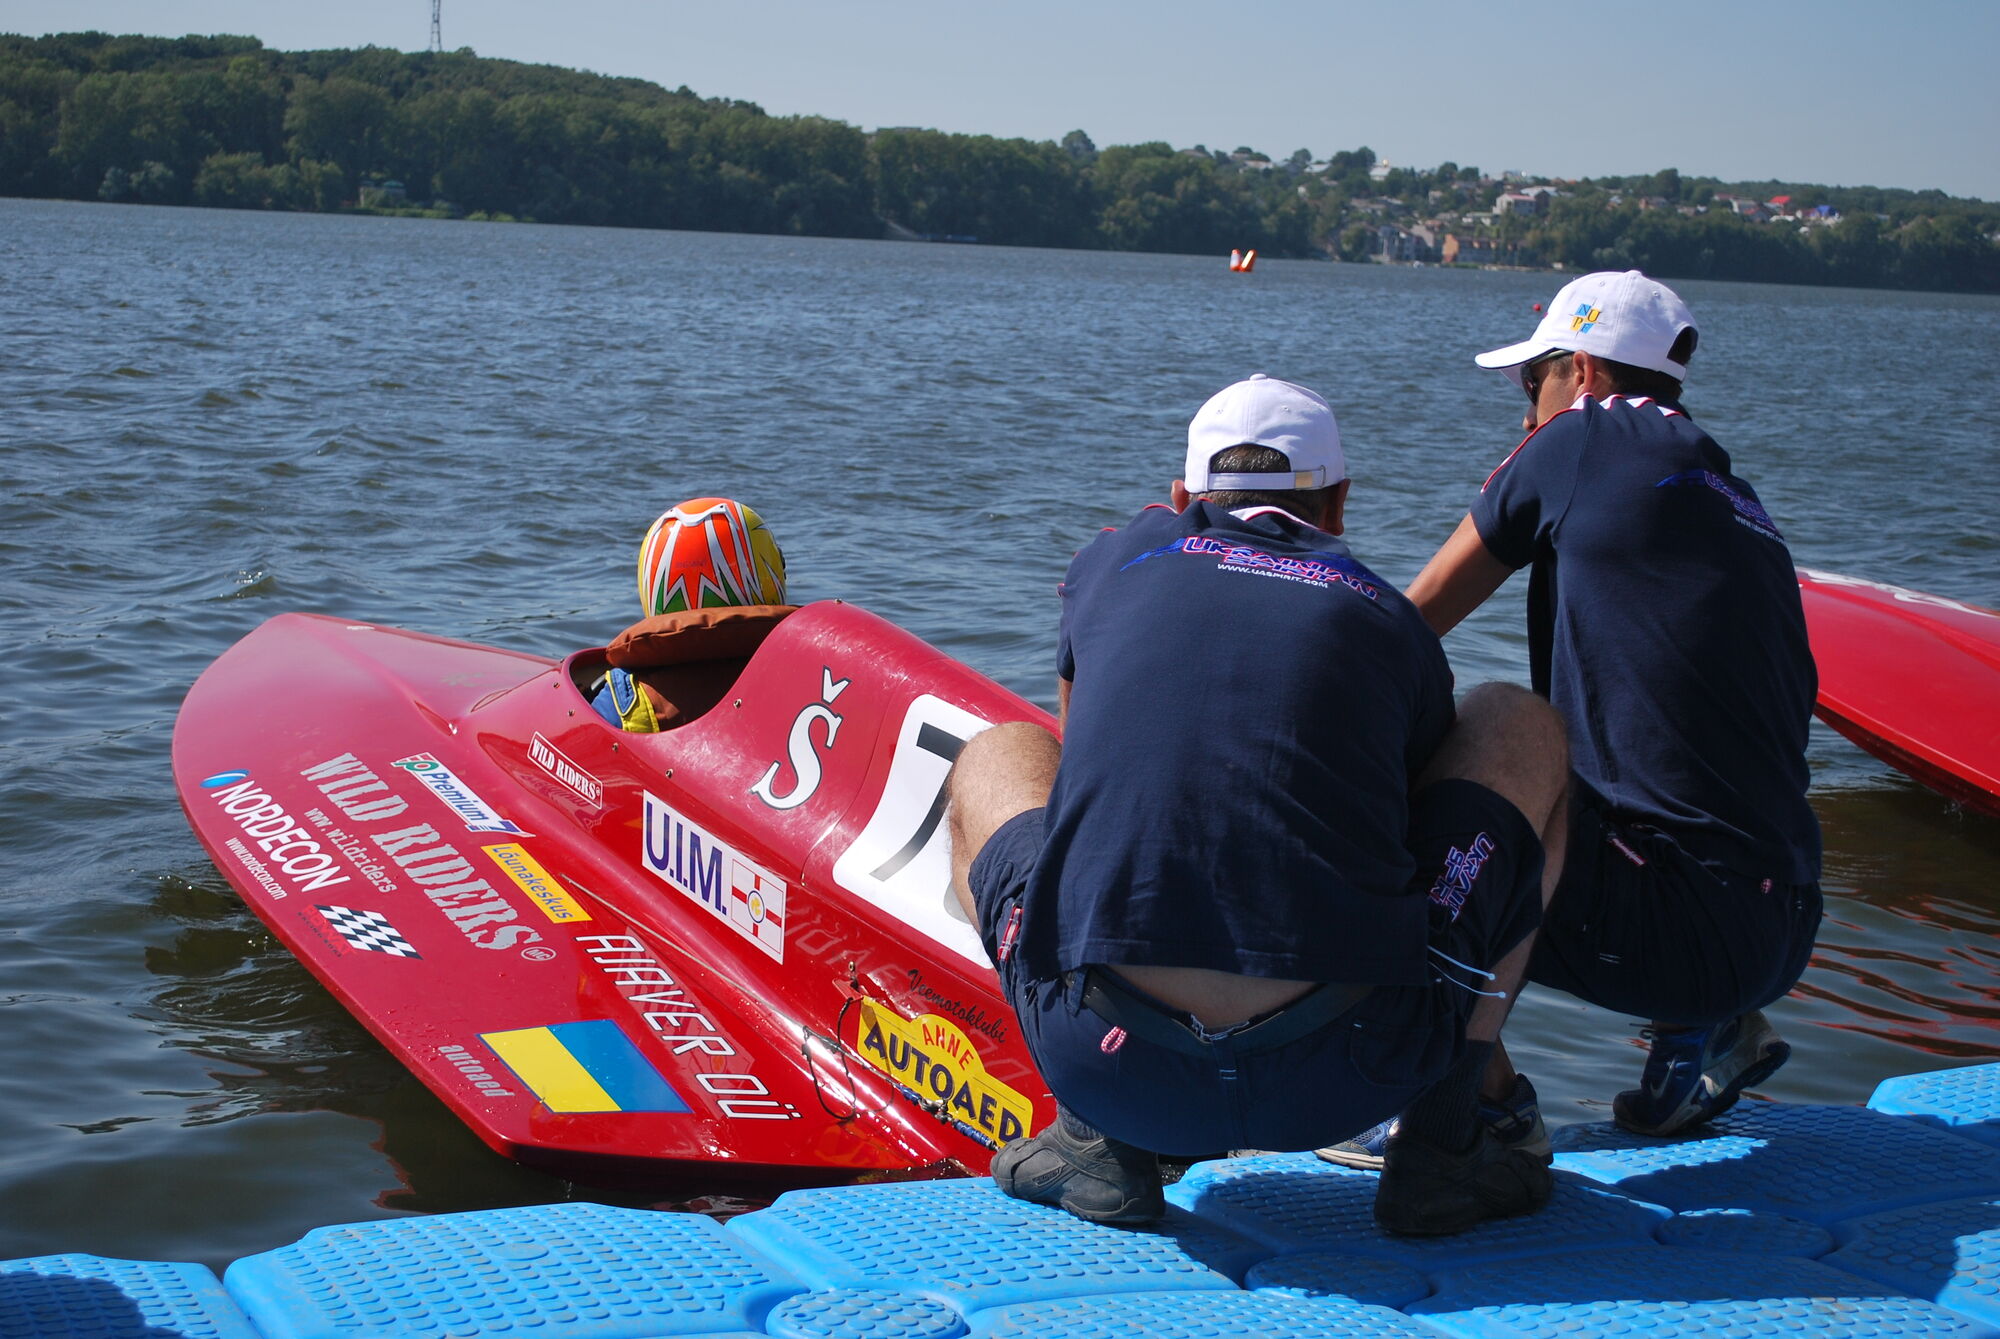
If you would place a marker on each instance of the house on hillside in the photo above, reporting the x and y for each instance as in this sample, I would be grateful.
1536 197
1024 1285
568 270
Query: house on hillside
1400 245
1756 211
1465 249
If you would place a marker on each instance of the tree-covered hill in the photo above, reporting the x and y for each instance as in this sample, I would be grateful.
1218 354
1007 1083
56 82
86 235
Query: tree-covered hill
223 121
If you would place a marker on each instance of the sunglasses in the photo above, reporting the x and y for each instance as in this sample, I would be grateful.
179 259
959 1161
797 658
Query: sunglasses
1531 376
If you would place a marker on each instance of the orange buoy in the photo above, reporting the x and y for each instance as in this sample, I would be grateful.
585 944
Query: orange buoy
1538 306
1235 261
1249 260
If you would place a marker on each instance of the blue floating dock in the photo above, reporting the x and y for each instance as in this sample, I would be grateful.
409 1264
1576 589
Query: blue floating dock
1776 1220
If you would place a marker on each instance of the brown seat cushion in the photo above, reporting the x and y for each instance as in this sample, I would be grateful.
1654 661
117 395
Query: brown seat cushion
731 632
687 662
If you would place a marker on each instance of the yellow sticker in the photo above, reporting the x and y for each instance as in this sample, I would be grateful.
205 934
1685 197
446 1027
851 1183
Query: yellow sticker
557 902
931 1059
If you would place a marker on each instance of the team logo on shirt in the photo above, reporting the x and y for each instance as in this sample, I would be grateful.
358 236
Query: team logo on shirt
1325 570
1748 510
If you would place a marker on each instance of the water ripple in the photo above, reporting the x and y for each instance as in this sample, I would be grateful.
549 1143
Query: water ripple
215 416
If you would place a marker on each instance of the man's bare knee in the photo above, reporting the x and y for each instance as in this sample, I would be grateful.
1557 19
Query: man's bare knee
1009 767
1512 742
1000 773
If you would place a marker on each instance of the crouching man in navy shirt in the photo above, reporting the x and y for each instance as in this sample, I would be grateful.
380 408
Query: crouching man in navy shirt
1265 889
1664 625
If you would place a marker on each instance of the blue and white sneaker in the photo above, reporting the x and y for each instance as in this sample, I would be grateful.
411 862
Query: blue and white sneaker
1695 1074
1365 1150
1515 1122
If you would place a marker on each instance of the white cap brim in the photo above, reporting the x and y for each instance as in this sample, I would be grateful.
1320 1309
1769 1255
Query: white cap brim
1513 355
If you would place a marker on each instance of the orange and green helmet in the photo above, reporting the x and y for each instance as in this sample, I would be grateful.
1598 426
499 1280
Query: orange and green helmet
707 552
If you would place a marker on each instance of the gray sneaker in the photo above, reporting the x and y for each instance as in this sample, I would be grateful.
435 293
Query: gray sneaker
1073 1167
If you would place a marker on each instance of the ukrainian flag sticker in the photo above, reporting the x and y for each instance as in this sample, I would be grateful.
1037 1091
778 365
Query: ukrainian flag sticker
585 1066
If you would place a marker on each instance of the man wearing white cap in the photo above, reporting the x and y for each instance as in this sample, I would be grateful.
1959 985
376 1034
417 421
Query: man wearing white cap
1664 625
1254 896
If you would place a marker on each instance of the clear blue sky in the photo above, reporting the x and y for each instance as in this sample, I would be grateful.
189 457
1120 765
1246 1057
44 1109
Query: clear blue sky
1834 91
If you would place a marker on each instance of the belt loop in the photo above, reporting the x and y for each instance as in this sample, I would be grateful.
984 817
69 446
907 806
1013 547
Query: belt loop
1074 985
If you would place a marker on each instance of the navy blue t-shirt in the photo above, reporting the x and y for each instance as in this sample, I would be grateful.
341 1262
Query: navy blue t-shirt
1664 625
1248 709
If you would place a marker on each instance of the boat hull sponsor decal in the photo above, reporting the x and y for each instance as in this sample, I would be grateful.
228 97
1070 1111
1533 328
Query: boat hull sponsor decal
973 1016
358 793
287 858
475 1071
475 907
556 902
937 1066
461 799
679 1024
369 931
735 889
558 765
588 1066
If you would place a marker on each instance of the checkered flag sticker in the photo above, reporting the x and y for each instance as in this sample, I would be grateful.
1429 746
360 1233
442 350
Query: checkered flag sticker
368 930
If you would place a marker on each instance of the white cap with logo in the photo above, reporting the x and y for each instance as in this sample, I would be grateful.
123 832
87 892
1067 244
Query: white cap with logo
1264 411
1625 317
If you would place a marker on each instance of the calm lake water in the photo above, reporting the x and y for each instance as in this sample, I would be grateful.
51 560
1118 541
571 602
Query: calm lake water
207 418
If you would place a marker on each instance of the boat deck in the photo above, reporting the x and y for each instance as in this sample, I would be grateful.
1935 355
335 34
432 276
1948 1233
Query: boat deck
1778 1219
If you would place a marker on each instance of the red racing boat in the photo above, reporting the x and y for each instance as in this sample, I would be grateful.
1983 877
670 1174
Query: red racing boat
729 948
1912 678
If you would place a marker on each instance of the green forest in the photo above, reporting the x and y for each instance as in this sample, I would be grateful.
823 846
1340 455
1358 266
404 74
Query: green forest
224 122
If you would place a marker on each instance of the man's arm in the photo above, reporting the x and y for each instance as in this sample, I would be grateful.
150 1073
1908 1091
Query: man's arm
1457 579
1062 704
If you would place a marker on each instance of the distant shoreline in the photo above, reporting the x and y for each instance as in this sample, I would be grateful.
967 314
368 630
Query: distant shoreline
224 122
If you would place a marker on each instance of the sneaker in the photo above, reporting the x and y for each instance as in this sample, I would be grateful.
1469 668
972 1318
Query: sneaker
1516 1122
1365 1150
1695 1074
1073 1167
1427 1191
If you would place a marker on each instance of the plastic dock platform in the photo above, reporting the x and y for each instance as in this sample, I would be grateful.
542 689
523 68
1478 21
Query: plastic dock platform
1777 1220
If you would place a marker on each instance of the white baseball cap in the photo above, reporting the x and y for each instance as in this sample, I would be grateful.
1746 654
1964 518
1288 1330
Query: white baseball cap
1626 317
1264 411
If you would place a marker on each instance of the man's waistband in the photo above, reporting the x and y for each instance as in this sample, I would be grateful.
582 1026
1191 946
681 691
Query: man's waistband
1117 1004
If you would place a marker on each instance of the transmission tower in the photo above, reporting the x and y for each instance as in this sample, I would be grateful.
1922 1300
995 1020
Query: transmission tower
437 27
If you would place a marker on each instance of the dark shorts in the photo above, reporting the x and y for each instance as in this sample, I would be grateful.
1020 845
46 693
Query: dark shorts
1226 1089
1640 927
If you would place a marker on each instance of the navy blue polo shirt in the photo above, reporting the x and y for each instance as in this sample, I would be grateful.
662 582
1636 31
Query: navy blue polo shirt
1664 625
1248 709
